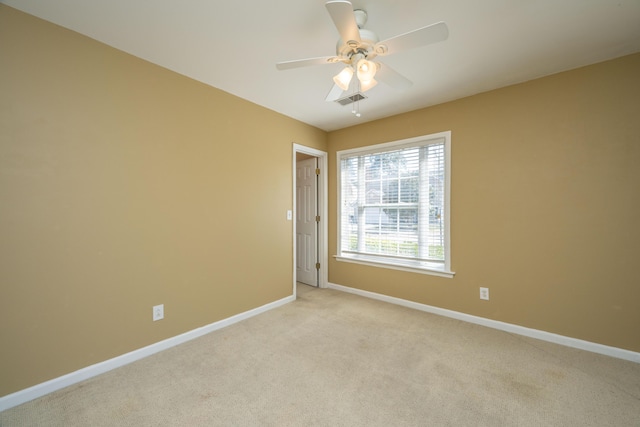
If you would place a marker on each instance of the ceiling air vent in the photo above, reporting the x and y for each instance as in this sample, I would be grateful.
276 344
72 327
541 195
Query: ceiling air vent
351 99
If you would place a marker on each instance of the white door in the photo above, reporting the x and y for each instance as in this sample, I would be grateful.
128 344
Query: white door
306 224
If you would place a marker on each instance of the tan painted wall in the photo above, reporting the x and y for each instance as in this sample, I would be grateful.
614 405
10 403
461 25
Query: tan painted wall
545 204
124 185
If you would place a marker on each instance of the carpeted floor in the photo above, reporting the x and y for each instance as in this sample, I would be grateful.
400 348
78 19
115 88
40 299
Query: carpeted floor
337 359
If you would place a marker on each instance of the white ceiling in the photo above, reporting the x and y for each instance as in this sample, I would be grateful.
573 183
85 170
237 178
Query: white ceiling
234 45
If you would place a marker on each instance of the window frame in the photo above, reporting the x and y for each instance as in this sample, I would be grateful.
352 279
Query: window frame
403 264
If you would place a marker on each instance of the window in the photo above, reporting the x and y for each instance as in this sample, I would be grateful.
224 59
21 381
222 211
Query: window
394 204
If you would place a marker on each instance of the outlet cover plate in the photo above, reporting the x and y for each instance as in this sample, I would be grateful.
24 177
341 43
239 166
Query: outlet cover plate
484 293
158 312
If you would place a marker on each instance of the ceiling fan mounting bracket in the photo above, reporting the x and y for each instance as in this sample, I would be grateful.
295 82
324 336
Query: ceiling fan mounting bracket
361 17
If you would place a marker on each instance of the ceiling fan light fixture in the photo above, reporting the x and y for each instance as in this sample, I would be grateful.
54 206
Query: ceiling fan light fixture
366 70
356 44
367 84
343 78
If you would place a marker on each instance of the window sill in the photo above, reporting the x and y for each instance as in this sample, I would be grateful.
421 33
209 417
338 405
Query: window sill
421 267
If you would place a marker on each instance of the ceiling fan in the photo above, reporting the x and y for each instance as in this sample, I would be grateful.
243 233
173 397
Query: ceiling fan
357 47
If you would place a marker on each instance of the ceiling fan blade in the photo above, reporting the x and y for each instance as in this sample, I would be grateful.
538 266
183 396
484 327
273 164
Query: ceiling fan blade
345 21
422 36
391 77
286 65
334 93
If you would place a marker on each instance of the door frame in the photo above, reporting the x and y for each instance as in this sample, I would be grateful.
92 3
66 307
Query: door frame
323 198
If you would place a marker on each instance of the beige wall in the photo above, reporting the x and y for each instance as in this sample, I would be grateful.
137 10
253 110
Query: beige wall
545 204
124 185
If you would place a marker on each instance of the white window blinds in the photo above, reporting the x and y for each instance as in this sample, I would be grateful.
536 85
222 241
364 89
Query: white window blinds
392 202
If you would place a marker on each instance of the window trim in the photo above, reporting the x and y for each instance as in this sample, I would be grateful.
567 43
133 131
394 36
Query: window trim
442 270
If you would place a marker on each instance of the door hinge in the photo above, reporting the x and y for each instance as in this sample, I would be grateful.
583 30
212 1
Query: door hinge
317 171
317 218
317 266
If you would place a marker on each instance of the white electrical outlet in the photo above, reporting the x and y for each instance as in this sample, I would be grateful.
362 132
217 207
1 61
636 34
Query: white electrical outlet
158 312
484 293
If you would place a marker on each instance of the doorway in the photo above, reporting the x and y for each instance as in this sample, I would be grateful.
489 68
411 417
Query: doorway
306 218
310 216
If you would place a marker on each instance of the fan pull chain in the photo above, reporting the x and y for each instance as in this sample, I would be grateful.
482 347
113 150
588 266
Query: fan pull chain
356 105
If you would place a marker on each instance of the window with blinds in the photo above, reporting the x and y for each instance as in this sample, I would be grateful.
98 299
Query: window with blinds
394 204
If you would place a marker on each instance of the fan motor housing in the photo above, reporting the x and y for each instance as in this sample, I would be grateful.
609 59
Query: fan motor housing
368 40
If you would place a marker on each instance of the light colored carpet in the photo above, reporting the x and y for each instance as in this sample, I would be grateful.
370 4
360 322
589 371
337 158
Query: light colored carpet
336 359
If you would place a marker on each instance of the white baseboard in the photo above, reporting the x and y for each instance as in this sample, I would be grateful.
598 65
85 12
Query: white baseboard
507 327
23 396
